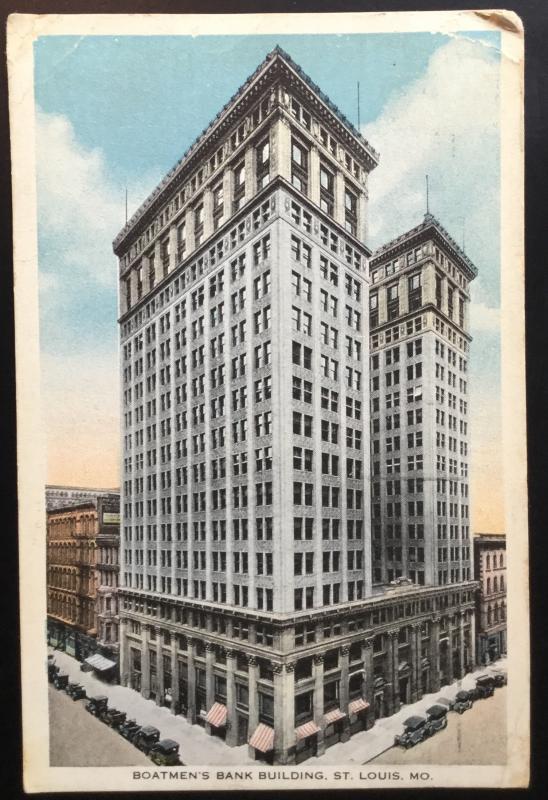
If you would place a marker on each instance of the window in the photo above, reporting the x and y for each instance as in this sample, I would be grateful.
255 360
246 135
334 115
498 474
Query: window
350 211
299 166
301 355
218 206
263 163
327 190
239 186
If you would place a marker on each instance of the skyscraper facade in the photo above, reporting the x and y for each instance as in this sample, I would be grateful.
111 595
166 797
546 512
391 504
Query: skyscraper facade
249 602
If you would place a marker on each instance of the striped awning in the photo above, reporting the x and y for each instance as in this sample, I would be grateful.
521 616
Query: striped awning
358 705
100 663
334 716
217 715
263 738
308 729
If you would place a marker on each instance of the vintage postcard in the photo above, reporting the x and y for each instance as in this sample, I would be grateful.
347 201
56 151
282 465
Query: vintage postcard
270 395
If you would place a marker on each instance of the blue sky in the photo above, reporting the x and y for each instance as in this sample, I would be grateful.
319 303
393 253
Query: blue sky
120 111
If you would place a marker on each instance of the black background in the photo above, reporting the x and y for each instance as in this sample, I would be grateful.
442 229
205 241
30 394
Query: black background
534 14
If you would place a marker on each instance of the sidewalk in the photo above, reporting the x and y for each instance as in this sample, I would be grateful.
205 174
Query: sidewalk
364 746
198 748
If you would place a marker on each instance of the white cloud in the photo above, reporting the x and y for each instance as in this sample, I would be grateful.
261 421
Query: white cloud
80 207
483 318
444 124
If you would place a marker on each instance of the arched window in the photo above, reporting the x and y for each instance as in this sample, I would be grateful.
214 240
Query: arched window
495 584
503 612
488 586
502 583
488 561
496 614
489 615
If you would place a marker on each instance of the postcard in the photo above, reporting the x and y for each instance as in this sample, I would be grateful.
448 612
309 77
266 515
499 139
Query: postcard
270 397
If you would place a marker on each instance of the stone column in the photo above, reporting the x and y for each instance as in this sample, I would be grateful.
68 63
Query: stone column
208 213
145 264
210 678
462 662
314 175
363 226
175 699
173 258
159 668
393 650
434 654
339 197
368 681
344 692
124 665
189 229
284 714
158 263
250 173
133 286
253 710
228 192
232 718
281 154
415 651
318 700
145 662
191 682
450 675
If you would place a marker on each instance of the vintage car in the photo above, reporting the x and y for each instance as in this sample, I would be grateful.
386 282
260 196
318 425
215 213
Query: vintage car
97 705
129 728
485 687
415 731
446 702
463 701
500 677
53 670
146 738
165 753
76 691
113 718
436 718
61 680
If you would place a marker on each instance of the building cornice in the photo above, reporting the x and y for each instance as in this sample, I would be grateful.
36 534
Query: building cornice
276 65
429 228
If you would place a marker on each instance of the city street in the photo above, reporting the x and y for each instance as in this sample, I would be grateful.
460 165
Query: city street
484 724
476 737
78 739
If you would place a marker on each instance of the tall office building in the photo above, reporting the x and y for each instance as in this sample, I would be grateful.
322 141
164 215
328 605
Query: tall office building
247 601
419 301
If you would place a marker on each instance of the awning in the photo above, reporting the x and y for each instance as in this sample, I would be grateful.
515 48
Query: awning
334 716
358 705
217 715
100 662
263 738
308 729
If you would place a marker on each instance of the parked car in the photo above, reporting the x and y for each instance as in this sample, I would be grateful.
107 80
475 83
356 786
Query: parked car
165 753
436 718
76 691
500 677
463 701
53 670
61 680
485 687
450 704
415 731
114 718
97 705
146 738
129 728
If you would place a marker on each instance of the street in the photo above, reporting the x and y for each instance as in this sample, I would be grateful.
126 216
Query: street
78 739
476 737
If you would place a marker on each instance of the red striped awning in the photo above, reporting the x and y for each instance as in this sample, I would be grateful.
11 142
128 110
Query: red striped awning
308 729
334 716
358 705
217 715
263 738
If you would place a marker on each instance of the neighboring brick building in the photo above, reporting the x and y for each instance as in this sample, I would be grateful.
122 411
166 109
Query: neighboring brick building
63 496
490 571
82 576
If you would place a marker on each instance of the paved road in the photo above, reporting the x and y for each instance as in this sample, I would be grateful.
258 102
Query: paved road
78 739
476 737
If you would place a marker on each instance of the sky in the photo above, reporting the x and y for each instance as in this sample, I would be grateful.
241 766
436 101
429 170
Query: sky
118 112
